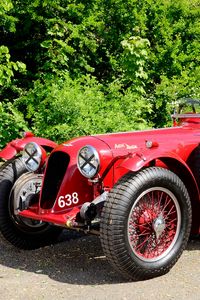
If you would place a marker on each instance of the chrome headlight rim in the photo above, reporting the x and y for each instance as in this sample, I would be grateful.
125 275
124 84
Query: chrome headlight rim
94 155
32 156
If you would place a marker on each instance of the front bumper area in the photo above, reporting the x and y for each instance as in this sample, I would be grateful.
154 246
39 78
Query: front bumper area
60 219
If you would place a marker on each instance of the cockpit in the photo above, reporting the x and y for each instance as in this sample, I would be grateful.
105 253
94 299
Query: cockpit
187 110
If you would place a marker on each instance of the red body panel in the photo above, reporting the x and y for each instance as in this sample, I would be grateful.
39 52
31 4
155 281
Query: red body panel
120 153
73 181
15 146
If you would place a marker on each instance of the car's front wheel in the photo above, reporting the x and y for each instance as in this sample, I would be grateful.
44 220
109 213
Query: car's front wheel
146 223
23 233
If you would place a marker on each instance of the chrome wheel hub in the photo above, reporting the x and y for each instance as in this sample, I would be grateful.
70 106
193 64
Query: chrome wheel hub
27 185
25 188
159 226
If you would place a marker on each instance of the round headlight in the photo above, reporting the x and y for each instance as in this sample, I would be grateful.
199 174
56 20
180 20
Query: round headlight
88 161
32 155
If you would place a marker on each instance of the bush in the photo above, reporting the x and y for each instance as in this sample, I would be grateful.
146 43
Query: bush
11 123
68 108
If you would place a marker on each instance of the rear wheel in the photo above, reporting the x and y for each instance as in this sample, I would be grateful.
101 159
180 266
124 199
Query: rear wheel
21 232
146 223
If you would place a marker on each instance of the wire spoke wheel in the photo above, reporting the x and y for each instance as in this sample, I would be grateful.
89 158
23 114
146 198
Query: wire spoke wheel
145 223
154 224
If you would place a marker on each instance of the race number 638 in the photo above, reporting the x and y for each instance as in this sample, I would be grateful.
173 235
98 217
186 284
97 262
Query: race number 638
68 200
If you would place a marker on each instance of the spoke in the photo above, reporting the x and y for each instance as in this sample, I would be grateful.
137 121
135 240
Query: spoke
160 200
142 243
171 213
172 221
166 204
151 251
173 206
145 225
151 198
143 234
143 206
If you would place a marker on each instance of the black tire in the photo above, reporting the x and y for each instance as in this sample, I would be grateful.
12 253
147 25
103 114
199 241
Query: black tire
19 233
194 163
146 223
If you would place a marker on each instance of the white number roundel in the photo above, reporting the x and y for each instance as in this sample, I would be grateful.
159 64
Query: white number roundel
68 200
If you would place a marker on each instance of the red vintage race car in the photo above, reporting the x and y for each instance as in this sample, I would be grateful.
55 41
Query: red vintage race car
139 191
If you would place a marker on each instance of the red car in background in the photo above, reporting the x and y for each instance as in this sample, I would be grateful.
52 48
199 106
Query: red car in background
11 167
13 148
139 191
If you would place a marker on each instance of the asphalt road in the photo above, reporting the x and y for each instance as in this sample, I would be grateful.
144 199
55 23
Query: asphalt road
75 268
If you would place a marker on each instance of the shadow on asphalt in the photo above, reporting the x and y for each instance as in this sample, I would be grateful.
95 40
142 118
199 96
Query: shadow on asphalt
194 243
75 259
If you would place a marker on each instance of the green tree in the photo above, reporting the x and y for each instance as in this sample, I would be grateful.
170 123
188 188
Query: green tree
11 123
68 108
135 57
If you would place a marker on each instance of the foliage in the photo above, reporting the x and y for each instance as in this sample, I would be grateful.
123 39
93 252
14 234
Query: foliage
134 58
7 22
68 108
169 90
8 67
76 67
11 124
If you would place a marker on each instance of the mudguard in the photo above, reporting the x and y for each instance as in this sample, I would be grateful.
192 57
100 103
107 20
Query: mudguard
15 146
140 160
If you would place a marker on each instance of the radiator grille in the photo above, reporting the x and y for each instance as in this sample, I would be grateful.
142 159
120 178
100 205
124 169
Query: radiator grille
56 169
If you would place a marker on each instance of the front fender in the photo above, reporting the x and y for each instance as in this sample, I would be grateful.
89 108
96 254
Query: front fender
15 146
169 160
140 160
